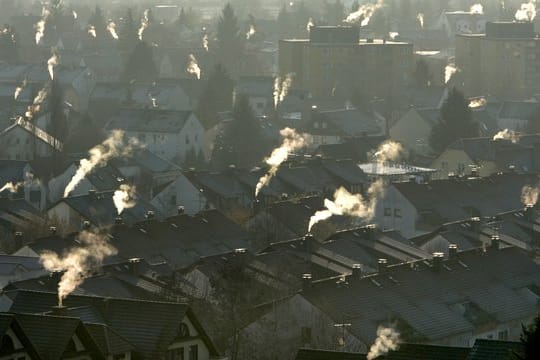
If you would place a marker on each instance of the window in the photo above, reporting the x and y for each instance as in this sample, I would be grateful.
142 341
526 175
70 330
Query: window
193 352
175 354
387 212
397 213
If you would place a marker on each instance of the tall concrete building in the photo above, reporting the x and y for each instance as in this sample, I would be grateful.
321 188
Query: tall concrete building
504 62
334 62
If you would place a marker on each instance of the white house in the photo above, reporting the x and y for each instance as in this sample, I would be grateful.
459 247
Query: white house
180 192
169 134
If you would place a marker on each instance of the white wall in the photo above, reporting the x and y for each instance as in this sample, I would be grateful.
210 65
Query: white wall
402 214
180 192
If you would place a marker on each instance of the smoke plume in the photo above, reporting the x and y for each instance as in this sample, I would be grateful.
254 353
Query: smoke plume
291 141
144 24
193 66
506 134
477 103
388 151
75 15
52 63
124 198
92 31
529 195
99 155
393 35
78 262
449 71
40 26
527 11
387 340
364 13
111 27
310 24
354 205
205 42
420 18
38 100
251 31
477 9
19 89
14 187
281 89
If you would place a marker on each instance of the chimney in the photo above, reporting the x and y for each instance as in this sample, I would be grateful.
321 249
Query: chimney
308 242
92 193
370 231
59 311
18 239
118 220
306 281
529 212
438 258
356 271
382 266
52 230
495 242
86 225
452 251
180 210
134 265
149 214
475 225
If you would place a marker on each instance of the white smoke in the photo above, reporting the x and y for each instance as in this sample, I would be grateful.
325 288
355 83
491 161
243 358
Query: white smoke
477 103
526 12
387 339
529 195
51 64
393 35
38 100
74 13
420 18
310 24
111 27
14 187
354 205
193 66
506 134
205 42
144 24
77 263
477 9
92 31
281 89
449 71
40 26
19 89
124 198
99 155
251 31
364 13
291 141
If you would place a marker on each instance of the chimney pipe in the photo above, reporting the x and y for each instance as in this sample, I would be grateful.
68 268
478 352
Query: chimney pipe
18 239
306 280
308 242
475 224
92 193
495 242
452 251
529 212
438 258
52 230
356 271
59 311
149 214
118 220
370 231
181 210
382 265
134 265
86 225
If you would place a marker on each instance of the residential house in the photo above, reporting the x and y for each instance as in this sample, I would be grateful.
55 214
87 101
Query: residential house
18 268
353 148
140 329
180 194
17 215
414 209
25 184
172 135
485 156
98 209
25 141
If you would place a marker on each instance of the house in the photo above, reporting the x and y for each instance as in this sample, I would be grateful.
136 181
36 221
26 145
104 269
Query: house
515 115
25 141
17 215
332 126
25 184
353 148
179 193
18 268
461 22
486 156
170 134
76 83
100 179
98 208
434 302
259 91
414 209
141 329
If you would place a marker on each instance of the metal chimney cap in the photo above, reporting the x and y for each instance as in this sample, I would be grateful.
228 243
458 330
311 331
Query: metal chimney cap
240 251
307 276
452 246
438 255
382 261
356 266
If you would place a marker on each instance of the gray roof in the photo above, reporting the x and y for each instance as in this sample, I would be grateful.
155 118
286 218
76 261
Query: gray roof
351 122
430 305
522 110
149 120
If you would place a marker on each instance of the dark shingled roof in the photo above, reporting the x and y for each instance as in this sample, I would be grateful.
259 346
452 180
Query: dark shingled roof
146 120
108 340
494 350
426 352
311 354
